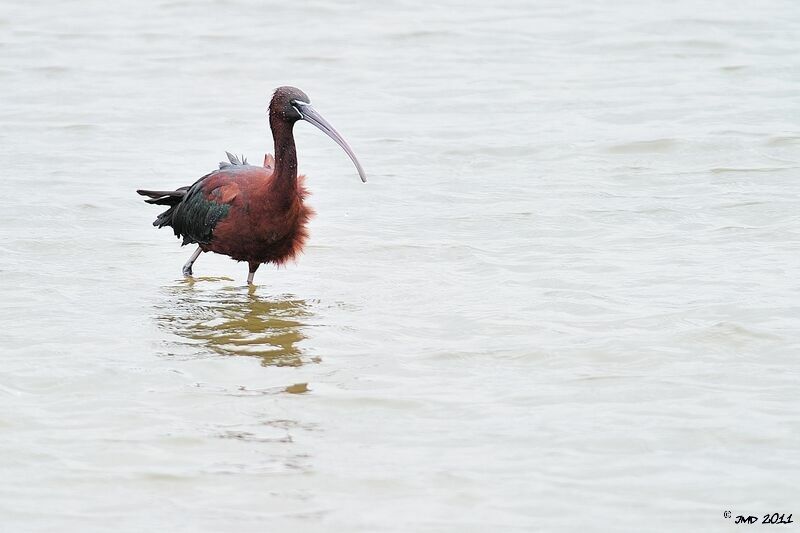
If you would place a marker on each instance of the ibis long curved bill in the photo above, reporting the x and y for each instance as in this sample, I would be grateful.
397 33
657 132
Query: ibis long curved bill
309 114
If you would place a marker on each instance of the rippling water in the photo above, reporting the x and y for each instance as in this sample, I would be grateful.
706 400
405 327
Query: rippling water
566 300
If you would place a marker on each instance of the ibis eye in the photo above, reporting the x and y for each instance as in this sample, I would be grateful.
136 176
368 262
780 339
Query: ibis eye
298 106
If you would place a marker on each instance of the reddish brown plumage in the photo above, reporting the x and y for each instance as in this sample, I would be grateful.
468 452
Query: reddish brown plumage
267 219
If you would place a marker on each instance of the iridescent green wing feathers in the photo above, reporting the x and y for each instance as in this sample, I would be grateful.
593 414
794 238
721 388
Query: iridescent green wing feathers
196 216
195 211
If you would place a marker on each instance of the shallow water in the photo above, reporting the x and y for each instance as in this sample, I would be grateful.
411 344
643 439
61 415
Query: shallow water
566 300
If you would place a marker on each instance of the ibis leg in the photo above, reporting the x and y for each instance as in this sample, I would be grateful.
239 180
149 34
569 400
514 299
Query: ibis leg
187 268
253 268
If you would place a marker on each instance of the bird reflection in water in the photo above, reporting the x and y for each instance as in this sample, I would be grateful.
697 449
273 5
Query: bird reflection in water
236 321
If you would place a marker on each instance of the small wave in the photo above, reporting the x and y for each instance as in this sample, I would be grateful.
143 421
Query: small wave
732 68
783 140
657 146
731 170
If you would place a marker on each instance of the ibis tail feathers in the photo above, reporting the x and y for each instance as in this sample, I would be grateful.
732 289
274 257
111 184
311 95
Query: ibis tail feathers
170 198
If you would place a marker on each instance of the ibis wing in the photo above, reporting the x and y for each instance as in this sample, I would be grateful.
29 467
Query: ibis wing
206 203
194 211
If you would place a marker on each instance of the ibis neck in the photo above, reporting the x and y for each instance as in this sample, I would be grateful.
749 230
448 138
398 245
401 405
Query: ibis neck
285 153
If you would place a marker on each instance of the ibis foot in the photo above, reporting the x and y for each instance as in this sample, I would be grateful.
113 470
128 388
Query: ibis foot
253 268
187 268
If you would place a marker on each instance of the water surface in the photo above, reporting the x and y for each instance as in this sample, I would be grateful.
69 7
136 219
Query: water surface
566 300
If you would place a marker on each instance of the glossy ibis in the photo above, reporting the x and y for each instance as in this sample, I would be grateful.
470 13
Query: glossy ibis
250 213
